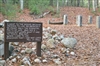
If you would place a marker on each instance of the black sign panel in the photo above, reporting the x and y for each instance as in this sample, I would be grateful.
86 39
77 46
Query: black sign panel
23 32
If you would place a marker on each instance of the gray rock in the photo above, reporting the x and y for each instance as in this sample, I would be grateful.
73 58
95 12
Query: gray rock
69 42
63 50
53 32
2 62
43 47
44 61
34 43
28 50
16 43
55 56
26 61
49 28
1 32
11 48
61 36
57 61
47 35
2 23
23 51
2 37
14 60
72 53
1 49
50 43
37 60
55 36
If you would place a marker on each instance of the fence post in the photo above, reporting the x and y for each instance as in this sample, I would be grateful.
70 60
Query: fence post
98 21
90 20
79 20
65 21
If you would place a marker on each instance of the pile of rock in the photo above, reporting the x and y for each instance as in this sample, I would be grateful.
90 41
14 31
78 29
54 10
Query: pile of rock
54 46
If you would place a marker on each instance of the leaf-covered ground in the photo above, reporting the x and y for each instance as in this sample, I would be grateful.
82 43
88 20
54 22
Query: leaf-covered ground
88 47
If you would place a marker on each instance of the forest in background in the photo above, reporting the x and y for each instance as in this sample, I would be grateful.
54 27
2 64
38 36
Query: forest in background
9 8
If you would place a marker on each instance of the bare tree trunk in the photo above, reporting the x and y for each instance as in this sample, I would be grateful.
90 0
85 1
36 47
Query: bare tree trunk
78 3
57 6
51 2
94 5
4 1
21 4
97 3
89 4
66 2
82 3
71 2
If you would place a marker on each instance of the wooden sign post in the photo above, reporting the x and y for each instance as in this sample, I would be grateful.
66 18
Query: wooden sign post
22 32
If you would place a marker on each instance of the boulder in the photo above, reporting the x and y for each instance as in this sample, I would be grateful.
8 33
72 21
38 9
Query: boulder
50 43
28 50
57 61
11 48
44 61
69 42
2 37
2 23
37 60
26 61
2 62
43 47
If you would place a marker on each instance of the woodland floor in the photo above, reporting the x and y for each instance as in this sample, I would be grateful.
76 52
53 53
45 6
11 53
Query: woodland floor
88 36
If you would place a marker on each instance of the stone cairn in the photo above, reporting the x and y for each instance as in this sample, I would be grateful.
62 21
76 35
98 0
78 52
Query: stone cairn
25 53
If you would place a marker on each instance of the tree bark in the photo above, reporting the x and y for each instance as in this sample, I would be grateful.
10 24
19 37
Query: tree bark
57 6
89 4
94 5
51 2
4 1
78 3
97 3
82 3
21 4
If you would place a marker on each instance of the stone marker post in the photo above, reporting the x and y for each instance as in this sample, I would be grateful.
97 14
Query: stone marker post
90 20
79 20
65 21
98 21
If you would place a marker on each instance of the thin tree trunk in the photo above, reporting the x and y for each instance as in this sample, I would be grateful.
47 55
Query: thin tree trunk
4 1
89 4
97 3
66 2
78 3
57 6
82 3
51 2
94 5
21 4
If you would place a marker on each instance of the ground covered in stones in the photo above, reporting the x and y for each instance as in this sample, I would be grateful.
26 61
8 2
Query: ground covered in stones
85 53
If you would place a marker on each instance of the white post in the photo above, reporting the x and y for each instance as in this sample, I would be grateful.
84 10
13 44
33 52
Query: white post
21 4
90 20
79 20
98 21
65 21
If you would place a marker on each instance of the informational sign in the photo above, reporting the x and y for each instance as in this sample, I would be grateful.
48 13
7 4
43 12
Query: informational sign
23 32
